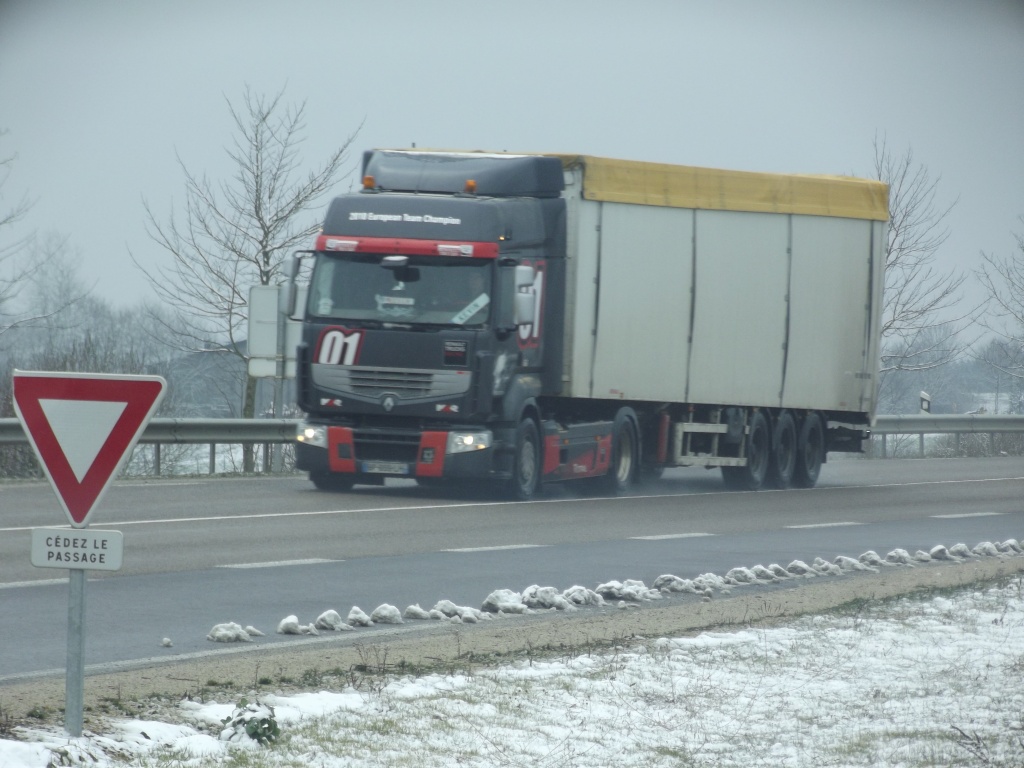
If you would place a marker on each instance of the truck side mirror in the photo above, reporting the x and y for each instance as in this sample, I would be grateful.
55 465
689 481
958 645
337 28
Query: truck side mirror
526 306
524 277
289 296
526 297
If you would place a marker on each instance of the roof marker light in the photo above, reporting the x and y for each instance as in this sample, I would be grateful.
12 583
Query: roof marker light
369 182
470 188
454 250
332 244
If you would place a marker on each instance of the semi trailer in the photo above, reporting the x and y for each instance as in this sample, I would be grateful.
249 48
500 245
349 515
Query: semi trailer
530 318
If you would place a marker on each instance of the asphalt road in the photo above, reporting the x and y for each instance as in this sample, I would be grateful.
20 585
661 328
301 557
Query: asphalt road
203 551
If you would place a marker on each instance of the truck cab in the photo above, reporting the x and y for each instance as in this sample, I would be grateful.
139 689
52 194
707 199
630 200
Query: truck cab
426 330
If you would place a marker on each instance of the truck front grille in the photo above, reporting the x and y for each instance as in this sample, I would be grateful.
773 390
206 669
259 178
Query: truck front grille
371 445
409 385
373 382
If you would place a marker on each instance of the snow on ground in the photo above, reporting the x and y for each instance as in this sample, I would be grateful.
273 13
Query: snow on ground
906 682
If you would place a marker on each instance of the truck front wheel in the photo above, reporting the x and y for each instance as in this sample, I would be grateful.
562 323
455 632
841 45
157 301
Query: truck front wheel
526 462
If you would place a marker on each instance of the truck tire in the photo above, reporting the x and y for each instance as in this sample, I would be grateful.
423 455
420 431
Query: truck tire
329 481
625 463
526 462
758 451
784 447
810 449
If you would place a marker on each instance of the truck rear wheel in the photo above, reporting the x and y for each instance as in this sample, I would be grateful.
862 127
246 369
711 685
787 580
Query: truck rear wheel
625 461
809 452
758 451
526 462
783 459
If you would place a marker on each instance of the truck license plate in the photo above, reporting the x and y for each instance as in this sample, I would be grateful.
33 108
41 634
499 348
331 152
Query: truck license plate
385 467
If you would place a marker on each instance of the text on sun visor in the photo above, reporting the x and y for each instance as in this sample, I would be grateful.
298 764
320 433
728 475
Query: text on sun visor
402 217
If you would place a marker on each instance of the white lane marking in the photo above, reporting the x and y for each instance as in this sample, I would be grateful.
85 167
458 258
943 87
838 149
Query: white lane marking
40 583
495 549
281 563
427 507
158 484
823 525
917 482
671 536
269 515
320 513
968 514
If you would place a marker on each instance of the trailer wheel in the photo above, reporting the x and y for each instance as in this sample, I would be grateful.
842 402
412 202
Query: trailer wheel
809 452
758 450
784 447
526 462
329 481
625 453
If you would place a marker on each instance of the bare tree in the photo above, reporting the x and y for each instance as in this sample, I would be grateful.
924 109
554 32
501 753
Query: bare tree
1003 281
1002 362
922 326
23 258
899 388
235 232
72 331
13 271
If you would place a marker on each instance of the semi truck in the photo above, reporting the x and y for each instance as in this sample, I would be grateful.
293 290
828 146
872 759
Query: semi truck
526 319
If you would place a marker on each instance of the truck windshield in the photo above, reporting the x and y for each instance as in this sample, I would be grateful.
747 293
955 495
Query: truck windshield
427 290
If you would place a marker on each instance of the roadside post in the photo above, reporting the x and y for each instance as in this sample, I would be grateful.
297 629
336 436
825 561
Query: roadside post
926 408
273 338
82 427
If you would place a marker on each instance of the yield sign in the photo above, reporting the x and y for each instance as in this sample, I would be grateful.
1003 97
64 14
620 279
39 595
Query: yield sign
83 427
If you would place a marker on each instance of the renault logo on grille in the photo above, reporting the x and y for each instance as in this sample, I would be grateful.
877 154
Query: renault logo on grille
388 401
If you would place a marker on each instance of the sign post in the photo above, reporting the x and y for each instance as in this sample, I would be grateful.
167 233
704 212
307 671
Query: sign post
82 427
273 339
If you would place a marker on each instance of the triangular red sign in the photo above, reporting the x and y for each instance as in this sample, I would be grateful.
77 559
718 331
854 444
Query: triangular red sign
83 427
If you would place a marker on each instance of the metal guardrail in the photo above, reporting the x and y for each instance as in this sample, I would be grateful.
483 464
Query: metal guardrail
219 431
283 430
946 424
943 424
212 432
275 431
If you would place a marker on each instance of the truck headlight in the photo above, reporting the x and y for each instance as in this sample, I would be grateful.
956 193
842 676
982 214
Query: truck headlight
312 434
465 442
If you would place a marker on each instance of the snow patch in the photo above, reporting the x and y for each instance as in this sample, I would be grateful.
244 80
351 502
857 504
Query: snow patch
229 632
331 621
290 625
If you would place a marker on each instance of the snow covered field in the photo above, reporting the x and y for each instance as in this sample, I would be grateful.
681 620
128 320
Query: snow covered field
923 681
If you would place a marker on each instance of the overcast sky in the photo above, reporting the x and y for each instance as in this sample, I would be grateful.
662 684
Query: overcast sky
97 97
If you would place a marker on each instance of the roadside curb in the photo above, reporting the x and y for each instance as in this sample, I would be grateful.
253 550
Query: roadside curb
435 644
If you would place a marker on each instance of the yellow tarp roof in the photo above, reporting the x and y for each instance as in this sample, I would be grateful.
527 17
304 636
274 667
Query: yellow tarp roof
681 186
